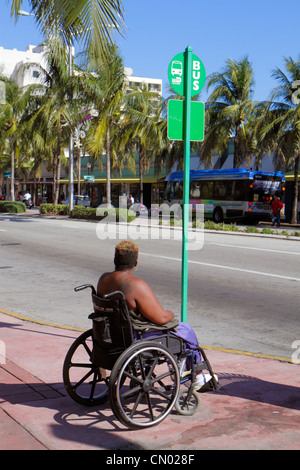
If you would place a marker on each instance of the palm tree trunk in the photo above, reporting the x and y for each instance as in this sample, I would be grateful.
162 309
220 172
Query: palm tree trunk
141 166
236 147
58 167
108 188
56 197
54 177
296 191
12 173
34 191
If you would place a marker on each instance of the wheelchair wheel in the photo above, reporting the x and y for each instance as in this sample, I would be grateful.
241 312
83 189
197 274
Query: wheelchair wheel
185 404
84 382
144 385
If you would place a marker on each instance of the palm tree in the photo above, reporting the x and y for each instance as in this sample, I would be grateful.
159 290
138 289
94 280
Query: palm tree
106 92
58 112
282 122
229 108
13 118
146 128
94 21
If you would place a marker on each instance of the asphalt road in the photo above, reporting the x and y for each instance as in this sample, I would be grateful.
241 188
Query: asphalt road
243 291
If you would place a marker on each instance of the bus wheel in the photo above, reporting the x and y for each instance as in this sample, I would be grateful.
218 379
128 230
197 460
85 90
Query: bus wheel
218 215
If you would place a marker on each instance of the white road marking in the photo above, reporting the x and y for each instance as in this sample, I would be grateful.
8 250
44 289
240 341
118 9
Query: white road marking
258 249
249 271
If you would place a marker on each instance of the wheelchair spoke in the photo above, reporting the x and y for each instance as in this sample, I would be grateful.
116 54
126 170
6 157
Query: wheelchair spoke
93 385
80 364
84 344
148 398
83 379
136 404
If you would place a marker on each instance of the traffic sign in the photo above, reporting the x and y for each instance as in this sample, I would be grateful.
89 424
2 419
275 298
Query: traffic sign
176 120
176 74
89 178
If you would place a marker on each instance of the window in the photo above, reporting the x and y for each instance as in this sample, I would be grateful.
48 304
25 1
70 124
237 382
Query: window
195 189
178 190
207 189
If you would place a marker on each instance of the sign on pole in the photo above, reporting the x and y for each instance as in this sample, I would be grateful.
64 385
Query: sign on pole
176 120
176 73
186 122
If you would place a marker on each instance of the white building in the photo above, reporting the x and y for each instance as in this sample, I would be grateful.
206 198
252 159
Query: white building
12 60
152 84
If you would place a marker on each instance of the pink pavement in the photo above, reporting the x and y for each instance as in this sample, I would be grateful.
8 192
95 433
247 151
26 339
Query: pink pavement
257 408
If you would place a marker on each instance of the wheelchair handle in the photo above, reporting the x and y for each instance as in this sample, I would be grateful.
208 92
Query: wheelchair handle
112 294
85 286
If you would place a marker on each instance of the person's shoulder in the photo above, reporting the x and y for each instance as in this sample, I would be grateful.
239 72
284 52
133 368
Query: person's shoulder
104 275
139 283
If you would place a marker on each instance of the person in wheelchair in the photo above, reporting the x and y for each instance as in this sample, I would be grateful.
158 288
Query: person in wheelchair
145 309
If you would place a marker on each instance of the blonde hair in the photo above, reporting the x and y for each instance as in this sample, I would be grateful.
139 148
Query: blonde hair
126 255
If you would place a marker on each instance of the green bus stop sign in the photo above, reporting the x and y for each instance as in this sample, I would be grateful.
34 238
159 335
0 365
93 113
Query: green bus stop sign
176 74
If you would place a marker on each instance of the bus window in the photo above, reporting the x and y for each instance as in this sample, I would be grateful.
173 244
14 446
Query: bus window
220 191
168 191
239 191
195 189
207 189
178 190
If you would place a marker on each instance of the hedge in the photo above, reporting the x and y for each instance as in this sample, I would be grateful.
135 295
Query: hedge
12 206
80 212
59 209
111 214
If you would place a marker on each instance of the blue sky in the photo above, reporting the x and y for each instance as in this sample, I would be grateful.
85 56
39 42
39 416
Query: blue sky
265 31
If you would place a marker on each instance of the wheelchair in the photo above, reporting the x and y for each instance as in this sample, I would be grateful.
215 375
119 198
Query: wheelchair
141 378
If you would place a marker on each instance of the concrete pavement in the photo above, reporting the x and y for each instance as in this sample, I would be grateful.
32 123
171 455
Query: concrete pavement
258 406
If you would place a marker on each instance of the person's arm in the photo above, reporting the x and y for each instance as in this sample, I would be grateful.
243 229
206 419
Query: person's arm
148 305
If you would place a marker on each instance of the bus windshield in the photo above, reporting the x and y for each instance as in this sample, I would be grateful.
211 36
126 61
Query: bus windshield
264 187
267 183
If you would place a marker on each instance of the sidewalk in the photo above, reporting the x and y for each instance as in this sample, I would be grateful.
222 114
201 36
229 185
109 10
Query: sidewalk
258 406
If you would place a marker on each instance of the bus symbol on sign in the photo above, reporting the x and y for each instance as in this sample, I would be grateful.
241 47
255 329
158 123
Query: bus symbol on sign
176 68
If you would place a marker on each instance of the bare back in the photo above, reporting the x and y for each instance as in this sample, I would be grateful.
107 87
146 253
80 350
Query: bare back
139 296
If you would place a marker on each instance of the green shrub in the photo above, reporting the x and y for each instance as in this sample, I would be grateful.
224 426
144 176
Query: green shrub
252 230
110 214
59 209
12 206
268 231
230 227
81 212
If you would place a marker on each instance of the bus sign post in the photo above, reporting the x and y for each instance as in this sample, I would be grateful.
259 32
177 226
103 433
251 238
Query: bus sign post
187 77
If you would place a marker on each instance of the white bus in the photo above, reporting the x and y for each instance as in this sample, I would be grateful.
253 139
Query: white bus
228 194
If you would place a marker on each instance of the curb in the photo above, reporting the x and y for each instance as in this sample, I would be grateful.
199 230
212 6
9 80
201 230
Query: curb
209 348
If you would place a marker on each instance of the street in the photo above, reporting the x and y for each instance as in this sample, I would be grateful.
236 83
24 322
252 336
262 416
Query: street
243 291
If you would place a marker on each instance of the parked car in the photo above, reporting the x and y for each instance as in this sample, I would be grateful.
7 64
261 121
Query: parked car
139 209
79 200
